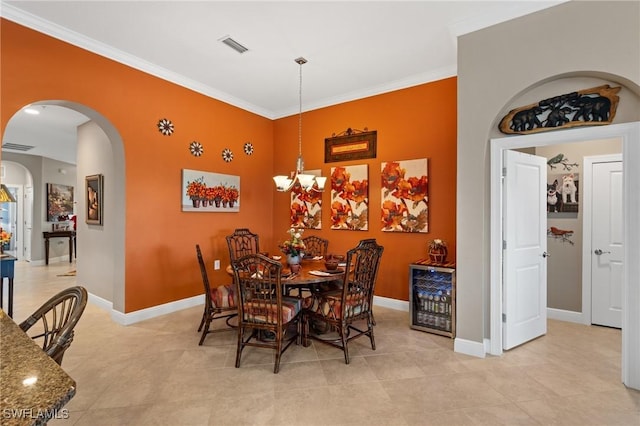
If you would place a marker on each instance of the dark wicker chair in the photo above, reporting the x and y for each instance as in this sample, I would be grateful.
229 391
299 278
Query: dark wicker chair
267 319
241 243
342 308
315 246
219 302
55 320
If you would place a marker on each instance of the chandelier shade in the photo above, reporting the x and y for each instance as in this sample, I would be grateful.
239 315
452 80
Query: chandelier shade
307 181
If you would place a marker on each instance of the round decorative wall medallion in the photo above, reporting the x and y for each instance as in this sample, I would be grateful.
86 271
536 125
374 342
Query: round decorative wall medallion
227 155
248 148
165 127
196 148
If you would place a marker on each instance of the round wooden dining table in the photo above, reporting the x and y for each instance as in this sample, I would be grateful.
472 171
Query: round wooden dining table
305 277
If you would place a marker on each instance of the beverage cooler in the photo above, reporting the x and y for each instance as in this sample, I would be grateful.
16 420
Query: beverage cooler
432 293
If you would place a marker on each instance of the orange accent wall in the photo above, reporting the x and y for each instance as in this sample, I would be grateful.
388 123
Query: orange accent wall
160 263
418 122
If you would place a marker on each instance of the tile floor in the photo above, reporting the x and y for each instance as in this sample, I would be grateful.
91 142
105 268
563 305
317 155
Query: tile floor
154 372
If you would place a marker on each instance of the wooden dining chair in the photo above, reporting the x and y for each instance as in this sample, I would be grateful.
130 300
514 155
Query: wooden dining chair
315 246
346 308
54 322
241 243
263 311
219 302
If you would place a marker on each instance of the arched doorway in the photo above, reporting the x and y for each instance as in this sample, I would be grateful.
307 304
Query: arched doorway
100 254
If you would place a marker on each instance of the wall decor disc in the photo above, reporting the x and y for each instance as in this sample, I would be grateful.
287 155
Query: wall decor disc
196 148
248 148
227 155
165 127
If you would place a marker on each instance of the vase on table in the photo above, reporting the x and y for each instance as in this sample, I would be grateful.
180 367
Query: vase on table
294 263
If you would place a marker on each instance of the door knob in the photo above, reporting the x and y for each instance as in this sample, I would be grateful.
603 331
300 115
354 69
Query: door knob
599 252
545 254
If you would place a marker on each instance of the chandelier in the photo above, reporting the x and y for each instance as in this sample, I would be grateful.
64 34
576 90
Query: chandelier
306 181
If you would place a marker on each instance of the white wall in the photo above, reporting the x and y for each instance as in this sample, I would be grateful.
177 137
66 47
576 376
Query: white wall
95 266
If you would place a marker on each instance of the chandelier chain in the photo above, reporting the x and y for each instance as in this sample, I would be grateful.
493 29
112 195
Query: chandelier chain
300 113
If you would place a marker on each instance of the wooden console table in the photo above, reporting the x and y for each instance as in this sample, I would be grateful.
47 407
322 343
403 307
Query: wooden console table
59 234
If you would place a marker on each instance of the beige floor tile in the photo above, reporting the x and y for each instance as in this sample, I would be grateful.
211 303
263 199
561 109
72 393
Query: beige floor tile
154 372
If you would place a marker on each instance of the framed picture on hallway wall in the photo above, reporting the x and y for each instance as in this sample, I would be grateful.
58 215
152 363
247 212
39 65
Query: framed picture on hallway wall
59 201
94 190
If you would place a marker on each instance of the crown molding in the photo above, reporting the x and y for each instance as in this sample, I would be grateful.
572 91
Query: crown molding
59 32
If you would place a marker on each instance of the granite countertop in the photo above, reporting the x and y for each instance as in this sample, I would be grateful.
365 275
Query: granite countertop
21 362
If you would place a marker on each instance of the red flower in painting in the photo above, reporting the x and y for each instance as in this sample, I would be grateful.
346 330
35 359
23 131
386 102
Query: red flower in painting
339 178
414 189
391 174
310 196
196 189
357 191
298 213
418 188
392 213
339 213
230 193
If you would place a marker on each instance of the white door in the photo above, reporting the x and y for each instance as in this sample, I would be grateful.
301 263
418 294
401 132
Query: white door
606 244
28 222
525 244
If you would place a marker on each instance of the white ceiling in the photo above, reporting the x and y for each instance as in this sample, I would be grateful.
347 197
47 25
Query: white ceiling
354 49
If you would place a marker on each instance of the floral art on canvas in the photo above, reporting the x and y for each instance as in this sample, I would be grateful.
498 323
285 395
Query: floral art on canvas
350 198
404 196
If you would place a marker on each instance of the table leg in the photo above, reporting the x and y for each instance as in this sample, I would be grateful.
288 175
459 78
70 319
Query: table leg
70 249
2 292
46 251
11 297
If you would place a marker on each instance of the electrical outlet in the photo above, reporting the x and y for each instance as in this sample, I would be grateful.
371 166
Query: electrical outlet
216 264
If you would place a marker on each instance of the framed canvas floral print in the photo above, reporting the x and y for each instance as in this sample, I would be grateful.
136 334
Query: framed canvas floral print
350 198
404 196
306 206
210 192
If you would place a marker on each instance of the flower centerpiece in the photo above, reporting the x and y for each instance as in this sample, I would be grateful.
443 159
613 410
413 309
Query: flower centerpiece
294 246
5 238
438 250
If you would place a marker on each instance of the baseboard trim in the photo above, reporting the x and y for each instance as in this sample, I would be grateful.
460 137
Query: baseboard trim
178 305
562 315
386 302
147 313
468 347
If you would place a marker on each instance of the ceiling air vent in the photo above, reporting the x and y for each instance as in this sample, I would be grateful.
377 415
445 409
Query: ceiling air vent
233 44
16 146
